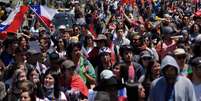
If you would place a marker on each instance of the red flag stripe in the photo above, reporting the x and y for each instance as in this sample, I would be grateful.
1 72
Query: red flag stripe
18 20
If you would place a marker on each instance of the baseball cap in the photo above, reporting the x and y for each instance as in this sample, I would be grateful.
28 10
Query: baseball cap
106 74
107 79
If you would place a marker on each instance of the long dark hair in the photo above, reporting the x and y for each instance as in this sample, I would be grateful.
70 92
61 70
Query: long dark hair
148 77
56 76
192 28
38 86
57 44
100 67
87 37
70 48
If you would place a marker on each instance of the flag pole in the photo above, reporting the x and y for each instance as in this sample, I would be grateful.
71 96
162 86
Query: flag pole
40 18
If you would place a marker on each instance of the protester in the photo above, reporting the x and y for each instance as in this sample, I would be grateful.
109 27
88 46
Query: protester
73 85
104 61
83 67
166 45
196 76
60 48
146 58
35 78
88 43
181 56
15 85
51 86
152 73
7 53
171 86
27 92
101 41
132 71
33 61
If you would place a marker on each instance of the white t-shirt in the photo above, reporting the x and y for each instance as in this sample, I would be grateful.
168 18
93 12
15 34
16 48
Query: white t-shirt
197 91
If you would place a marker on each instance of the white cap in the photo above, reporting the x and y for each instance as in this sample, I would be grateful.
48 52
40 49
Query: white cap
62 27
106 74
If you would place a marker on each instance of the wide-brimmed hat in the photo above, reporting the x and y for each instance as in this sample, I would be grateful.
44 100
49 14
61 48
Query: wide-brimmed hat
179 51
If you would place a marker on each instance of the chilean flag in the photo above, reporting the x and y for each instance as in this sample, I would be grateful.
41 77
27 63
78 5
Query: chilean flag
14 20
44 13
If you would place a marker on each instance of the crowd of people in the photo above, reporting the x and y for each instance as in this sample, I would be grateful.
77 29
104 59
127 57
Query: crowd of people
113 50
